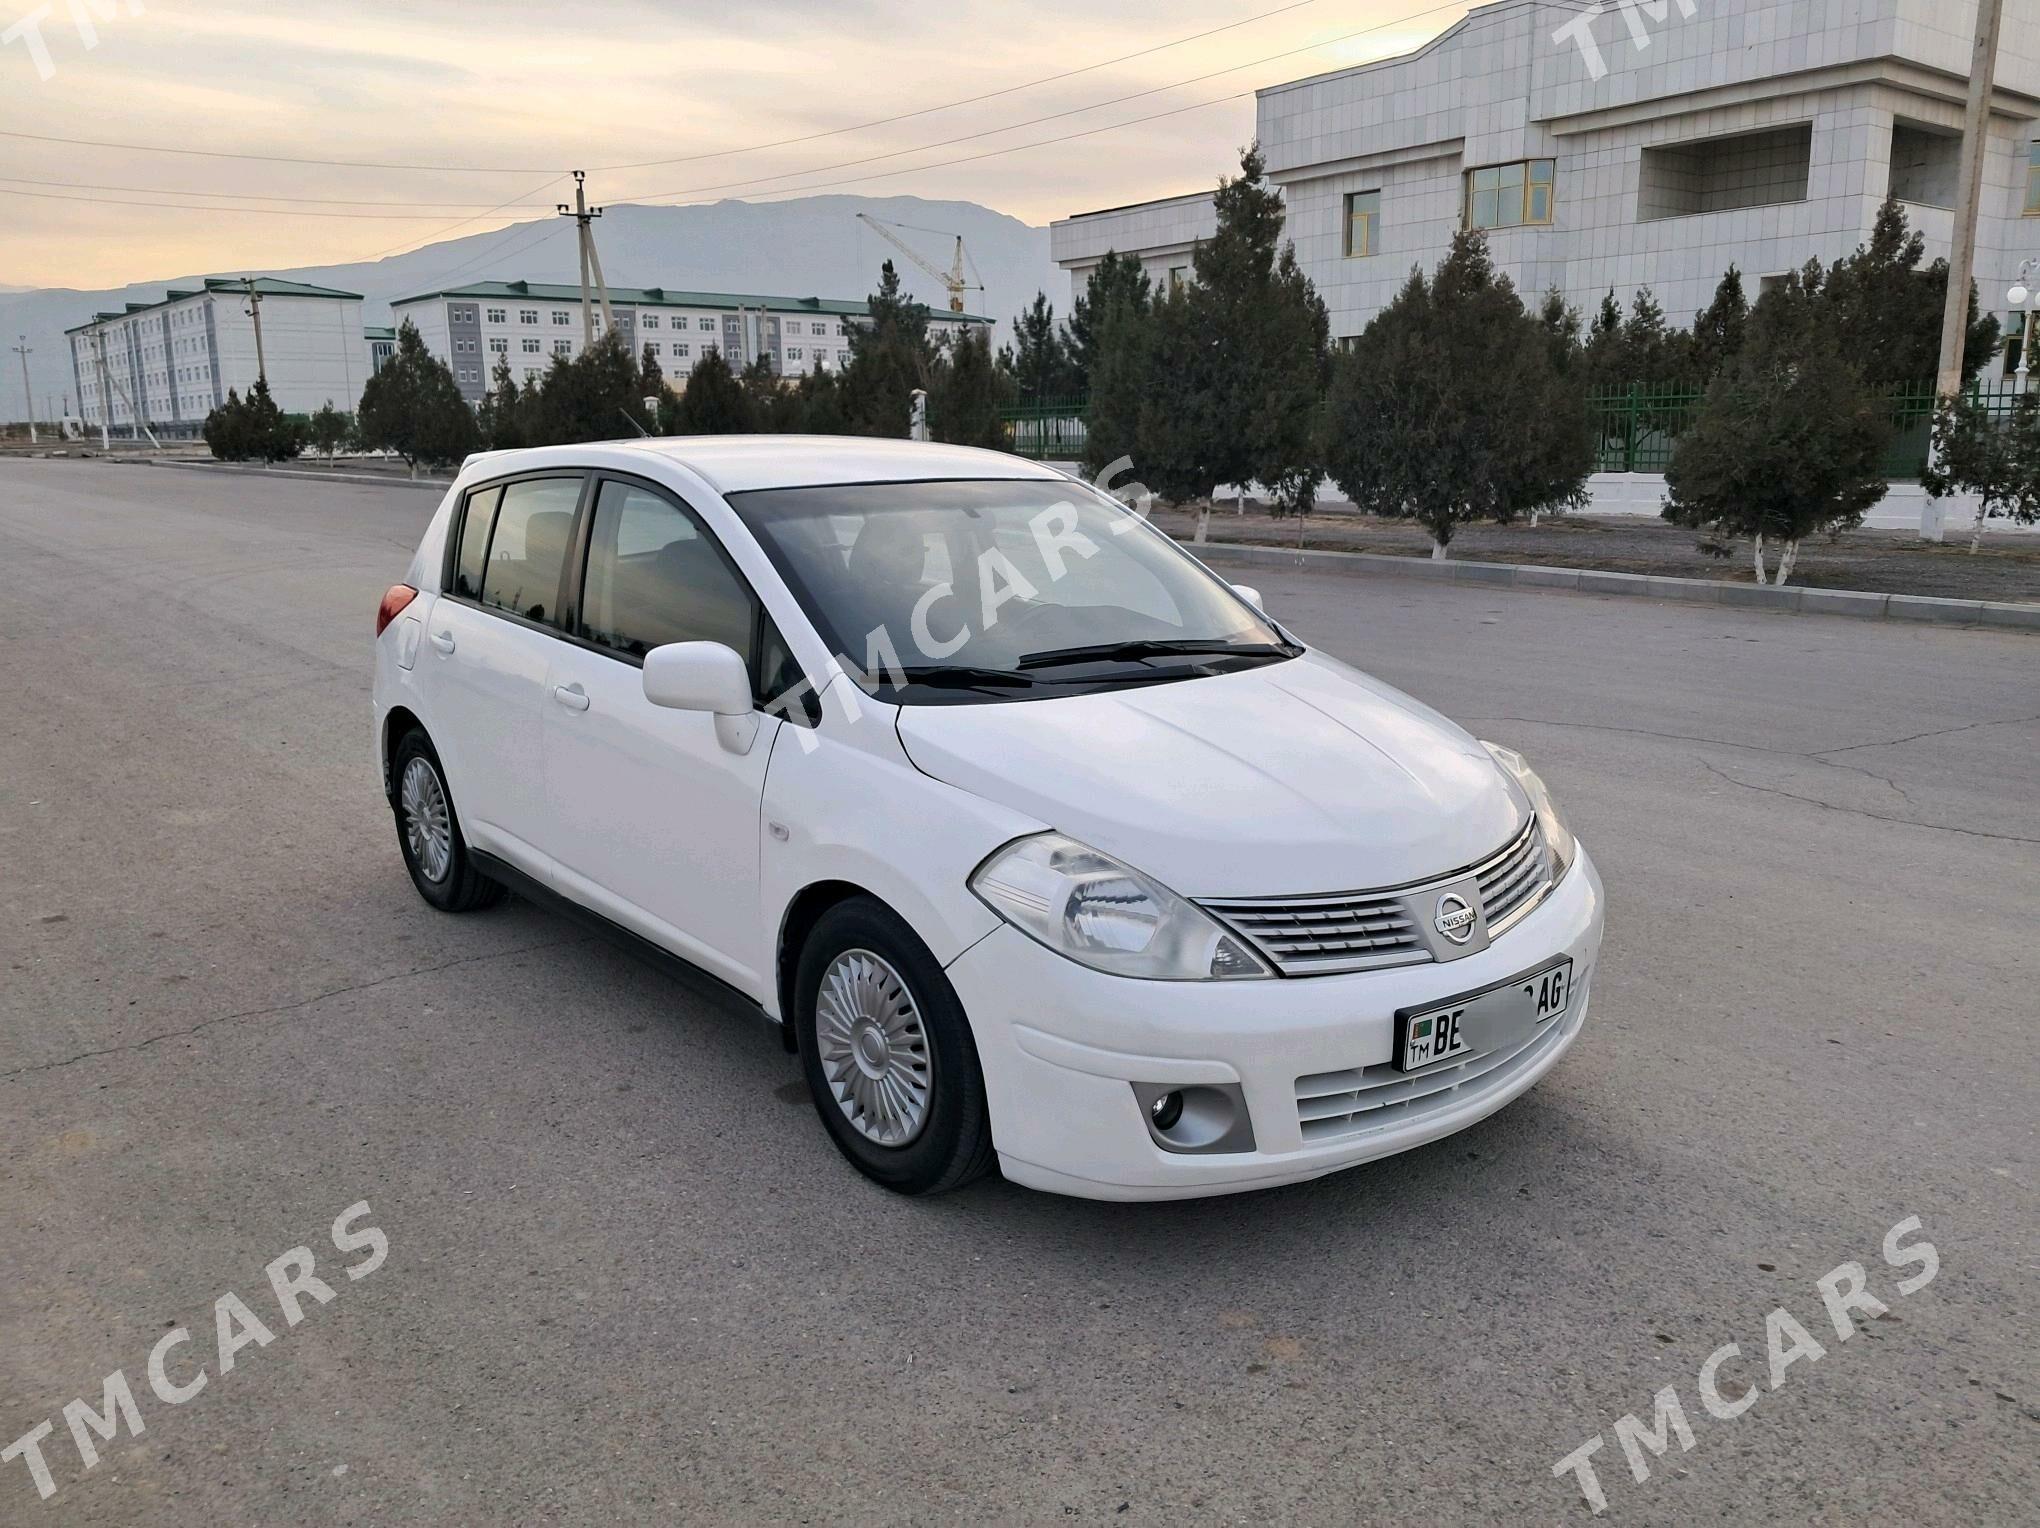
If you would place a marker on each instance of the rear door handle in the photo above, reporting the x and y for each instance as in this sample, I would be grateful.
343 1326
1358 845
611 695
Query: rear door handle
572 696
443 640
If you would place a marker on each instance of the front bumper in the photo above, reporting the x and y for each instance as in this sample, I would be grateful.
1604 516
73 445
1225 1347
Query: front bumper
1061 1046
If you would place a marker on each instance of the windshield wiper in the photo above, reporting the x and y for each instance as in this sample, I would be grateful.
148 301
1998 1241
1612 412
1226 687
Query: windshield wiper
1181 647
963 676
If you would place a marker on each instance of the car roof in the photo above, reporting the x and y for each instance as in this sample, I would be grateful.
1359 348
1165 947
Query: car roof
742 463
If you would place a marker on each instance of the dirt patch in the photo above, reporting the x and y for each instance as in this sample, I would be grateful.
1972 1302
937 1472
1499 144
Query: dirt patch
2007 567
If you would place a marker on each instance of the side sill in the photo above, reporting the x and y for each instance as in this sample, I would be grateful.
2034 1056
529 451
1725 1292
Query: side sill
703 984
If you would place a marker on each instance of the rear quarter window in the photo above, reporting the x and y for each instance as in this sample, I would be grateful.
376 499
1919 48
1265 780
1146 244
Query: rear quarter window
476 516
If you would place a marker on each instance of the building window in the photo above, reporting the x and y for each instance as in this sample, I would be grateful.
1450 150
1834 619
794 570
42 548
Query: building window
708 323
562 316
1363 221
2033 179
497 315
1178 274
680 348
651 347
795 353
531 347
648 320
1509 195
563 347
527 315
500 346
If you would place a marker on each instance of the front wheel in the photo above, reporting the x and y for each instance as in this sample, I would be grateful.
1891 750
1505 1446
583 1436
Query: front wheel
888 1053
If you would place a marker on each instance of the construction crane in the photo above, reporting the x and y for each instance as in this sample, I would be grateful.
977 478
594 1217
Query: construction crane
951 278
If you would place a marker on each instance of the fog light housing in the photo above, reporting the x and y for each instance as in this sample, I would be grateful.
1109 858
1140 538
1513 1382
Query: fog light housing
1196 1119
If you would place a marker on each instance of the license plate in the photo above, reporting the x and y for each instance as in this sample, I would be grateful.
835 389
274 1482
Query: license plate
1492 1019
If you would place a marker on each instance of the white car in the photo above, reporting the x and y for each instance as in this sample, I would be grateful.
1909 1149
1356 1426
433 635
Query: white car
1039 842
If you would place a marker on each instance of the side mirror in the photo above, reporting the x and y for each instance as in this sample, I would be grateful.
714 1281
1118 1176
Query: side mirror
1251 595
704 676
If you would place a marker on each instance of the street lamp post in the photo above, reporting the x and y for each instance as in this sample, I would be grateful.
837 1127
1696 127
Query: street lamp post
2024 298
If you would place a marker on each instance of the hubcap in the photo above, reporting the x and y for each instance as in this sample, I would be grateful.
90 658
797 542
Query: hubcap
873 1049
428 825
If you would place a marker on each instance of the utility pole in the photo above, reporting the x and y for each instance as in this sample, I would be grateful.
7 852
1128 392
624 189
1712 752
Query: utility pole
25 350
591 263
105 393
1968 195
254 311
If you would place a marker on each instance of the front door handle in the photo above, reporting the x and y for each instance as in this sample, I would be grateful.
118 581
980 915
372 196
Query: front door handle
572 696
443 640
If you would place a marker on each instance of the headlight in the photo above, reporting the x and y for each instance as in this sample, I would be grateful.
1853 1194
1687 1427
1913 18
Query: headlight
1106 915
1557 836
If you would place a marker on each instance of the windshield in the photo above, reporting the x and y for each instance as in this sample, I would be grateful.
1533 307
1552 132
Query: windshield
950 592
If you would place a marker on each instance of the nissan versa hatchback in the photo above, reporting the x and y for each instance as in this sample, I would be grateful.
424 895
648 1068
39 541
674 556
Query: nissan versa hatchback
1045 847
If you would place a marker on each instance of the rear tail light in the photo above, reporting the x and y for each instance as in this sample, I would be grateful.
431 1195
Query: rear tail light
392 605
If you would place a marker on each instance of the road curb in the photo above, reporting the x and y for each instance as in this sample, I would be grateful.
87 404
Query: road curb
371 479
2000 614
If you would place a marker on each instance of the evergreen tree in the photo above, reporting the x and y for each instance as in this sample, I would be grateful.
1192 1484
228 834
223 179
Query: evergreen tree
413 407
819 397
1117 280
328 430
651 375
270 435
1997 460
1887 309
1452 407
501 417
1039 365
1789 442
226 429
713 403
773 406
890 356
1718 330
963 405
1118 356
1238 357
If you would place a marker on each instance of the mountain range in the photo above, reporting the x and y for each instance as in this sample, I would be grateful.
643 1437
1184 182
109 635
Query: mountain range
806 247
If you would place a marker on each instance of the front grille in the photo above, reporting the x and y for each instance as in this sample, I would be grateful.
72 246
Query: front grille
1514 881
1335 1105
1304 935
1362 930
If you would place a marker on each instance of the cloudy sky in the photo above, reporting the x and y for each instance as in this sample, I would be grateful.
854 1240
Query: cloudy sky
485 106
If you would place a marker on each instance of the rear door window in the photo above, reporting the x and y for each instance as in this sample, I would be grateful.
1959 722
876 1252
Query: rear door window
477 515
528 548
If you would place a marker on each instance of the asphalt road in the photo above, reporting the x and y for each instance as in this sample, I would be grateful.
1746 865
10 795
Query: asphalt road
628 1278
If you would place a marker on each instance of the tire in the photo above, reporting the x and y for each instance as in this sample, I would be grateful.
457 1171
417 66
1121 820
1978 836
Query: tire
869 959
420 784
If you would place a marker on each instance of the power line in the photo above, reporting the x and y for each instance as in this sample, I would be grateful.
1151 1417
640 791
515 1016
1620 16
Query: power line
342 164
1075 111
989 95
275 212
249 196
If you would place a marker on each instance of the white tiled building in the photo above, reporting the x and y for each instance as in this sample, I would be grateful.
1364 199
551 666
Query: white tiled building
529 322
1750 132
170 363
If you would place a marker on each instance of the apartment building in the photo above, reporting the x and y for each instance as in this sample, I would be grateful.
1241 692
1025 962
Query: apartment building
1619 146
165 365
527 323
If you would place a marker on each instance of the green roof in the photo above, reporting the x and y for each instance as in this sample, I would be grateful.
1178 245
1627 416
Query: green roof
377 332
664 297
268 286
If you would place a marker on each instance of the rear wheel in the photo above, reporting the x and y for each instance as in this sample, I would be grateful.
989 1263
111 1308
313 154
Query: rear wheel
888 1053
428 829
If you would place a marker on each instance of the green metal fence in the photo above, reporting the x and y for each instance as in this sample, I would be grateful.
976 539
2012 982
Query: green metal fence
1637 426
1046 429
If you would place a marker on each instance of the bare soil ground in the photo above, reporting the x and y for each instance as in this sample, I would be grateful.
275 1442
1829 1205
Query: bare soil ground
2006 567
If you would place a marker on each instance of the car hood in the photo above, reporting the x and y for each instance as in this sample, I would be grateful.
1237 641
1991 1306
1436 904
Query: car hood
1293 778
